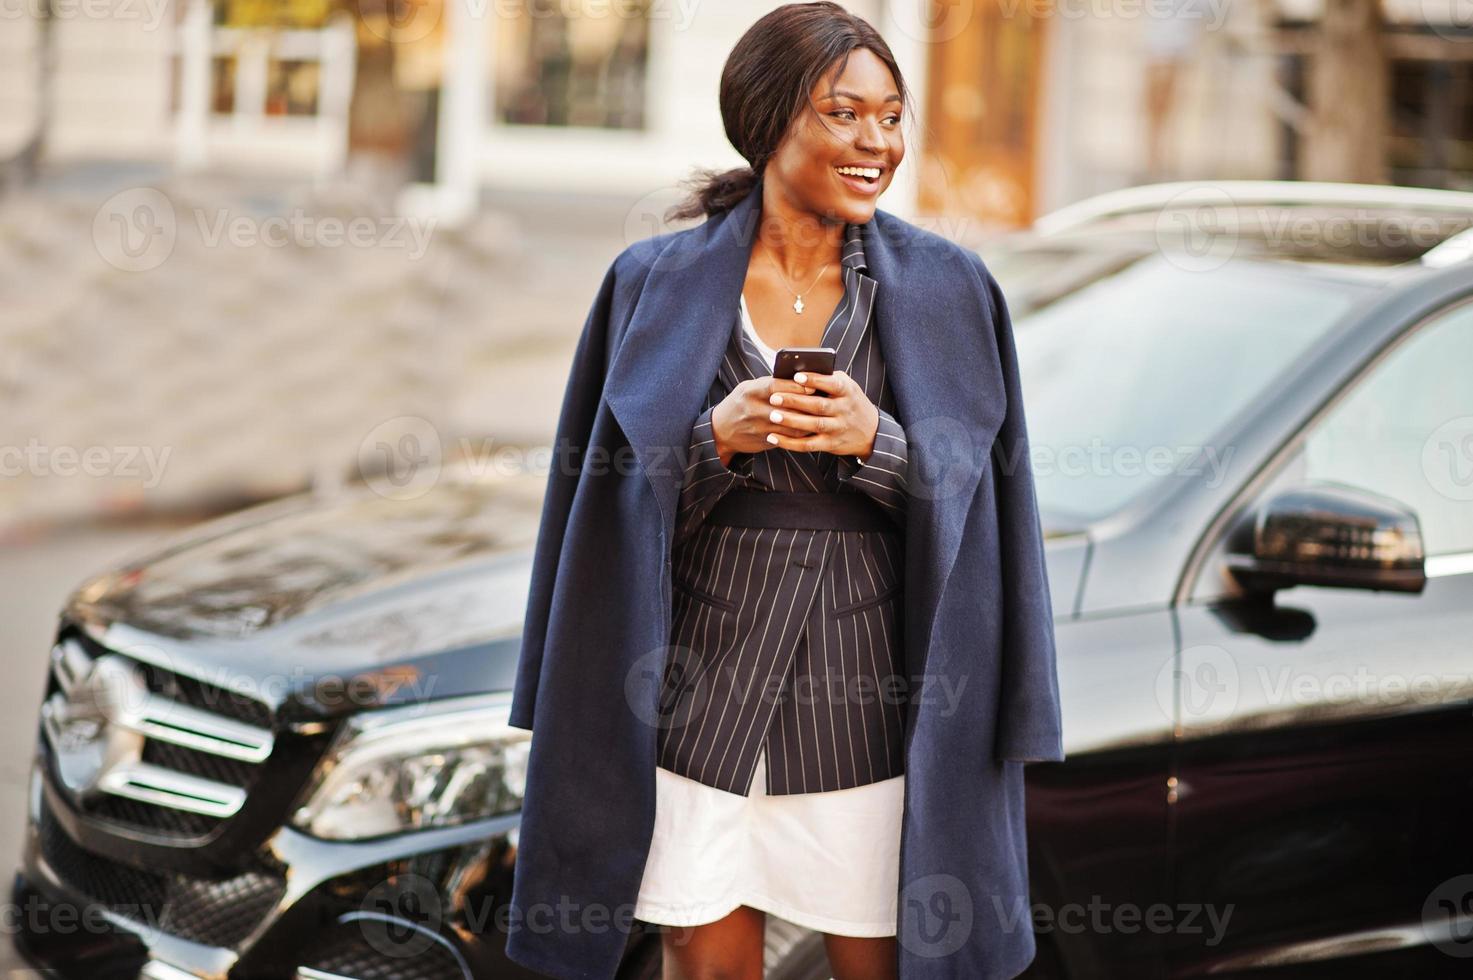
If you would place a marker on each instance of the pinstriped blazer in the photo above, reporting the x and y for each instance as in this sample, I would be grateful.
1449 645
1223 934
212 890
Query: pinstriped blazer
783 638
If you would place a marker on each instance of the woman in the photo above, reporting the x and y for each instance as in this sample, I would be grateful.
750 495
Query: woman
824 623
785 688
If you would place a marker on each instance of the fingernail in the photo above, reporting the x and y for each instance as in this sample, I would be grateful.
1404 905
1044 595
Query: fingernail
776 416
776 399
800 378
772 438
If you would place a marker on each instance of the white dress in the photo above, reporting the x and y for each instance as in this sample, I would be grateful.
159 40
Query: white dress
827 861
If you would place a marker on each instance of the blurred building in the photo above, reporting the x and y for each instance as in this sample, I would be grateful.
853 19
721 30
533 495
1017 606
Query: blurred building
1026 104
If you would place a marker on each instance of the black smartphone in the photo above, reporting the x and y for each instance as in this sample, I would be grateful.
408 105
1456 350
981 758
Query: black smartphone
790 360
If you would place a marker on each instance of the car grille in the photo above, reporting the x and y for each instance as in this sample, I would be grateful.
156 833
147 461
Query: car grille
347 954
216 912
193 750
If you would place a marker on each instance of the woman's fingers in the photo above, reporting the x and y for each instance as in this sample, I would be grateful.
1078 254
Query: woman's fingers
834 383
803 421
786 386
807 404
802 444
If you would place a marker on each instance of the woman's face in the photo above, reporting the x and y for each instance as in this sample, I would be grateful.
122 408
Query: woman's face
862 110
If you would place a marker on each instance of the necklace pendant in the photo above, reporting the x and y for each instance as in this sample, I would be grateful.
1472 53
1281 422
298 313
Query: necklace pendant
798 305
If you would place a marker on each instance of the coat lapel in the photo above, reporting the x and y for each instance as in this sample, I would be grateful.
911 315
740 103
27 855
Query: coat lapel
936 335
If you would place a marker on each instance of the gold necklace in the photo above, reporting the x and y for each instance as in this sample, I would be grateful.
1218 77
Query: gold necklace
798 302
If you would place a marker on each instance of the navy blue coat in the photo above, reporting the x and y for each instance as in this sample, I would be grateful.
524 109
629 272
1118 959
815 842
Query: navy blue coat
978 627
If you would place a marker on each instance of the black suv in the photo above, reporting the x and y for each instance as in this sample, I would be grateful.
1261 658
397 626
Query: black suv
278 746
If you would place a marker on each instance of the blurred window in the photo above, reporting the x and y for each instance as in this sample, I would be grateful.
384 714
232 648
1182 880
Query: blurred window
1406 431
573 63
265 57
1432 122
292 88
222 85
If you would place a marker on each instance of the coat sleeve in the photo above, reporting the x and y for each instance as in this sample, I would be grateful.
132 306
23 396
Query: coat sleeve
581 399
1029 723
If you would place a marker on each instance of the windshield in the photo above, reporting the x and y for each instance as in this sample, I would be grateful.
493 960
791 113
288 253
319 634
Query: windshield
1133 370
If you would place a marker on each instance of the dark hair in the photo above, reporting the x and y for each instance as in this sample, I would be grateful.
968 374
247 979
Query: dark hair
767 79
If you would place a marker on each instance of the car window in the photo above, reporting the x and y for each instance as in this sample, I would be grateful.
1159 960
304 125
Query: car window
1129 375
1406 431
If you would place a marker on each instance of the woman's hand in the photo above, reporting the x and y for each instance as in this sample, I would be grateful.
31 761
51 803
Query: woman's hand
742 421
844 423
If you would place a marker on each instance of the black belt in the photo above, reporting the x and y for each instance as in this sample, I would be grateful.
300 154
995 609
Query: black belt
811 511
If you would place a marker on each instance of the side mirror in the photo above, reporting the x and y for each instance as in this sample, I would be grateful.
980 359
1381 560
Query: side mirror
1328 534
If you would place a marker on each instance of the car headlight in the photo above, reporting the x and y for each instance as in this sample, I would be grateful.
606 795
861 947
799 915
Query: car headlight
418 767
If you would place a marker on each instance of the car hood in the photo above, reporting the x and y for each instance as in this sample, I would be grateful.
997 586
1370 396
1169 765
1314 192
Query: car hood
388 600
398 596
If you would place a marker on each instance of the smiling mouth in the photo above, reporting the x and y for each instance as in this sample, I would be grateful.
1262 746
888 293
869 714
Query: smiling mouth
870 175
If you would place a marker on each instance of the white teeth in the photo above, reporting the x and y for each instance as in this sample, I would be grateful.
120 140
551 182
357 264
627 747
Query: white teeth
873 173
